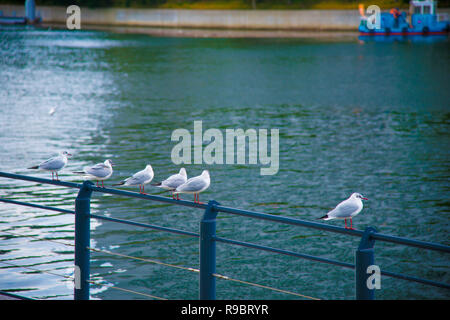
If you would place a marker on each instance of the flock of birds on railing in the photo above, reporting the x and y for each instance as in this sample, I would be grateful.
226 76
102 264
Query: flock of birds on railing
179 183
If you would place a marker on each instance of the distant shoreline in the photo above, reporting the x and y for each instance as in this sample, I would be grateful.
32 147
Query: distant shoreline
218 33
288 20
208 23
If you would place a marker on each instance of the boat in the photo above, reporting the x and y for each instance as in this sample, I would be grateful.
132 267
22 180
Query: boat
424 20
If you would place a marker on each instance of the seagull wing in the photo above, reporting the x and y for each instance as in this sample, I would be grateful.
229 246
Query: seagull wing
174 181
193 185
54 163
99 170
344 210
138 178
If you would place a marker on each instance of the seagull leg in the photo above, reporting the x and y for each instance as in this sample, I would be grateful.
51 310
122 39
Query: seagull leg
97 183
178 198
57 178
351 226
143 189
52 175
345 223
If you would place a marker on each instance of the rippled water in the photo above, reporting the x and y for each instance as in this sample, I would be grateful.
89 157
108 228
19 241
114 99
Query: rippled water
353 116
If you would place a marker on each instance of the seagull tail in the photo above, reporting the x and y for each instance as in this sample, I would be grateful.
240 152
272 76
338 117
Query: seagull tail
156 184
34 167
324 217
119 184
78 172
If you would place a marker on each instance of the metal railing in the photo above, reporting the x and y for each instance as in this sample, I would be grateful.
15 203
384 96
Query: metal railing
364 255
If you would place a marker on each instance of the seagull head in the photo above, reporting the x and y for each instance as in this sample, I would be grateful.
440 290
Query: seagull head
358 196
205 173
109 162
183 172
149 168
65 153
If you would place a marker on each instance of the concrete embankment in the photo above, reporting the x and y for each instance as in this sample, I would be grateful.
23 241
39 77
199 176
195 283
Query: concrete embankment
342 20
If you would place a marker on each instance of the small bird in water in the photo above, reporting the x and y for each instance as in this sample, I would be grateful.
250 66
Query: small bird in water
195 185
98 172
173 182
54 164
347 209
140 179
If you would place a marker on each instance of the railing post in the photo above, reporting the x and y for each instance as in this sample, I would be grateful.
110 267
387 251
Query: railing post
208 253
364 258
82 241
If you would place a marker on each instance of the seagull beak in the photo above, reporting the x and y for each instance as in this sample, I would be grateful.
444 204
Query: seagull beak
364 198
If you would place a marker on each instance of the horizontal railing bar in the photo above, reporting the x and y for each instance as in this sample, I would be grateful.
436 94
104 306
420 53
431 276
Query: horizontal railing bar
187 233
107 190
41 180
326 227
26 204
411 242
118 192
292 221
252 214
329 261
415 279
146 225
285 252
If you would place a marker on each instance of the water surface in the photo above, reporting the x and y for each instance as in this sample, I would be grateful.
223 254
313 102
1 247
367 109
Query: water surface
353 116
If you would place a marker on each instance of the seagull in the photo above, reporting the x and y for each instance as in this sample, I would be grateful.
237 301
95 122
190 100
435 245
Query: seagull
195 185
140 178
172 182
347 209
100 171
54 164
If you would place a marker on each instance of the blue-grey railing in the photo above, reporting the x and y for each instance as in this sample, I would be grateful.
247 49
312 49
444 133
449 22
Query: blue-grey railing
364 255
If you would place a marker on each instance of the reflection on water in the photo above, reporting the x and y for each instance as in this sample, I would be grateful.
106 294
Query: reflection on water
368 117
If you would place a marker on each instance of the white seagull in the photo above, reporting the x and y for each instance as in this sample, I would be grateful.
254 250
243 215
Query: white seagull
140 179
100 171
347 209
54 164
173 182
195 185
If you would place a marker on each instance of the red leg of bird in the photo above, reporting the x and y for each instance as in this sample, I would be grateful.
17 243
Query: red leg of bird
351 225
345 223
143 189
57 178
97 183
173 196
178 198
52 175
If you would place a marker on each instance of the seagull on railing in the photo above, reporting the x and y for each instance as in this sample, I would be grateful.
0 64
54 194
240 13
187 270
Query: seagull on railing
347 209
100 171
195 185
54 164
173 182
140 179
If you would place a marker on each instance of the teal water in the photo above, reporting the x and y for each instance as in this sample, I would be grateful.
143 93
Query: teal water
353 116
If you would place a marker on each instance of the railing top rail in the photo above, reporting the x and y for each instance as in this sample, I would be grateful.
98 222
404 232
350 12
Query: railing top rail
251 214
